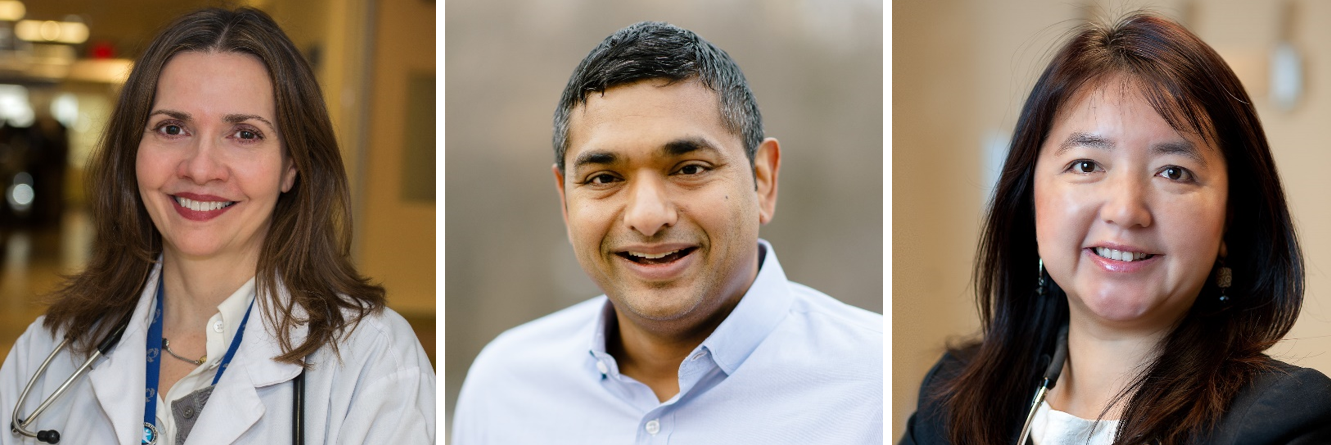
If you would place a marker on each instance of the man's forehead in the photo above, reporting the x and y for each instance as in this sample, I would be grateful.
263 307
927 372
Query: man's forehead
650 114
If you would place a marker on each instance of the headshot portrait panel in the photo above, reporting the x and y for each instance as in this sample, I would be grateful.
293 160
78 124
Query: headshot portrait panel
965 71
815 72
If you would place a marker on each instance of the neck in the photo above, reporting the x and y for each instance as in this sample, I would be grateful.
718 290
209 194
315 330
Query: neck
651 351
194 287
652 356
1101 364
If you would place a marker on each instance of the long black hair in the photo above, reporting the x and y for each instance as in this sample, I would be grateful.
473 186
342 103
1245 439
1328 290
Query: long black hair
1216 348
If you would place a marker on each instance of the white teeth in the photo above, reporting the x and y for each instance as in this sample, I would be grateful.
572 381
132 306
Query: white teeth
202 206
652 256
1119 255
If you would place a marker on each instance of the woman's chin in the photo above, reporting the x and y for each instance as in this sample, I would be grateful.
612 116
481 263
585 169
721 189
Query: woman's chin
197 250
1121 310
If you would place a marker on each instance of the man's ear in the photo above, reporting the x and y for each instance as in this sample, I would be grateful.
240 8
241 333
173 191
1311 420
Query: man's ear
766 166
563 200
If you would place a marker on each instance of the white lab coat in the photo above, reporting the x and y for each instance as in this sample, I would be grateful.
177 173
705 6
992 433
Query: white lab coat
382 390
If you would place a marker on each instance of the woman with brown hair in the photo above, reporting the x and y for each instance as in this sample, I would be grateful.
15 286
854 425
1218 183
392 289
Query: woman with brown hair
1140 183
220 277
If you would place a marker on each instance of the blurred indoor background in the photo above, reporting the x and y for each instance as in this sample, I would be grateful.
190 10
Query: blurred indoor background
61 66
814 66
962 69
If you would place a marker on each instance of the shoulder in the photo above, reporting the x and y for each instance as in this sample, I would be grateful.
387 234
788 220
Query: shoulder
35 343
526 370
834 337
543 339
379 384
927 424
386 336
1285 404
830 313
21 362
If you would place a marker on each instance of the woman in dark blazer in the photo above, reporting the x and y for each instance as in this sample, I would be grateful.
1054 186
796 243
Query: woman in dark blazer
1140 182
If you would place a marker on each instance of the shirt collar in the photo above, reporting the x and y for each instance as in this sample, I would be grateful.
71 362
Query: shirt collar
764 305
229 314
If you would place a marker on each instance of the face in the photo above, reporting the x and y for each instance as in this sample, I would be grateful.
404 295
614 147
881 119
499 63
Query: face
660 201
1129 212
210 165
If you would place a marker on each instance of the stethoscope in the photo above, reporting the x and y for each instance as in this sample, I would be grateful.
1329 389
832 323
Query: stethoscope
1050 379
19 426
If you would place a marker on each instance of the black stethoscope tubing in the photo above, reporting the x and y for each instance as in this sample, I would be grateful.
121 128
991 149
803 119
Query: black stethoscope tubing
19 426
1051 374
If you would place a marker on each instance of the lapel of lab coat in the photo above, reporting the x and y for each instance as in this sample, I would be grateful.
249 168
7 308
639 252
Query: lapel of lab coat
234 406
118 381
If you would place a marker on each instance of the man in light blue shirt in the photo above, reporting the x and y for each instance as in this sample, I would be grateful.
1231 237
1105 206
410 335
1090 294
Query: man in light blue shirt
664 177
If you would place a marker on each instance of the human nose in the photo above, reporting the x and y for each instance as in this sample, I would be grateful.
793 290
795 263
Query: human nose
202 163
649 208
1126 204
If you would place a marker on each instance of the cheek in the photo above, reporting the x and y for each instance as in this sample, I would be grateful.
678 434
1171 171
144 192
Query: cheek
150 168
1197 230
262 177
586 223
1062 222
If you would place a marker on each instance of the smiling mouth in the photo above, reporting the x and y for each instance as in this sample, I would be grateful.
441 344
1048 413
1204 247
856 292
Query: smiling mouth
1119 255
656 258
202 206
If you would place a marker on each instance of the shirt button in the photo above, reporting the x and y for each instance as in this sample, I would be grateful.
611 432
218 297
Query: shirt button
217 326
653 427
189 412
600 366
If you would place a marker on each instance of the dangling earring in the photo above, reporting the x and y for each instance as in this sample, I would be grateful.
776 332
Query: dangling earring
1224 277
1039 288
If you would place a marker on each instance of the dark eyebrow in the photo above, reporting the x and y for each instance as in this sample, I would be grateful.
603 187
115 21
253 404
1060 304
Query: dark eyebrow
680 147
230 118
1085 140
238 118
1181 148
594 157
675 148
180 115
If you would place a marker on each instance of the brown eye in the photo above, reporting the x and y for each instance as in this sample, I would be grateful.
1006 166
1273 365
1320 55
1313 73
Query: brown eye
692 169
173 130
601 179
244 134
1085 166
1175 173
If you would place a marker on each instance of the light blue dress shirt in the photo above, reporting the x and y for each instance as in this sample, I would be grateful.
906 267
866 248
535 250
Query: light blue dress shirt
789 365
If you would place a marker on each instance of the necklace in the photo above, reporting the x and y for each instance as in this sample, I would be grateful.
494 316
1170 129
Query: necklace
166 344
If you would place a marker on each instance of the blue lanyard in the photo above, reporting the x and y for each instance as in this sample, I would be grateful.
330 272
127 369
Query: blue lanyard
154 364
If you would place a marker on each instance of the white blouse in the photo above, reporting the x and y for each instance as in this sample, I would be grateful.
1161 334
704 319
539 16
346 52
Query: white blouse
1053 427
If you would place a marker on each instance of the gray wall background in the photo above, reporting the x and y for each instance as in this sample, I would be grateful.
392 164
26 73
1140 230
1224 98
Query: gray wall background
816 68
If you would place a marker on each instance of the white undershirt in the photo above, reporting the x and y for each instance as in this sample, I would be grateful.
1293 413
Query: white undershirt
1053 427
221 328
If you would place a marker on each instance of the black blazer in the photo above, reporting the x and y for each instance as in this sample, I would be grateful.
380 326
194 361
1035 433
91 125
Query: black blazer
1287 405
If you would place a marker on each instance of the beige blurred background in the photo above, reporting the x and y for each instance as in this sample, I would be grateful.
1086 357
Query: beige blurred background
961 71
814 66
375 60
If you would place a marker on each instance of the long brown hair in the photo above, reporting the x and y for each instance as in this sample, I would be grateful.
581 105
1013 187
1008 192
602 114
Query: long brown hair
1217 347
307 247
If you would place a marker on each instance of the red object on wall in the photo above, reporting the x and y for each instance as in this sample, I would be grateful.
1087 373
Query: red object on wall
102 50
